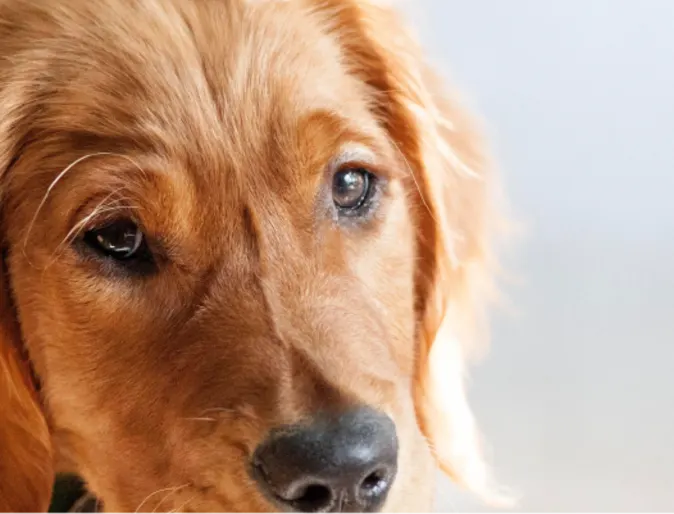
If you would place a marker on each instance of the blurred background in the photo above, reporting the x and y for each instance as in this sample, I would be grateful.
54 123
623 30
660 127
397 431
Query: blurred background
576 397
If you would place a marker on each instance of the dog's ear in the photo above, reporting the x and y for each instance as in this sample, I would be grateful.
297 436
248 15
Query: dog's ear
26 469
449 186
26 464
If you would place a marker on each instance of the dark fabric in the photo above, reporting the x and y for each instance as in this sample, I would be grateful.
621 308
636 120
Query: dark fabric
71 495
87 503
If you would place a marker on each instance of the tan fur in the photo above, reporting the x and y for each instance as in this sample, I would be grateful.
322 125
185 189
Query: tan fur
214 124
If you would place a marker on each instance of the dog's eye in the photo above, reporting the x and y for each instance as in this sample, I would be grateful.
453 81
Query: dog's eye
352 188
120 240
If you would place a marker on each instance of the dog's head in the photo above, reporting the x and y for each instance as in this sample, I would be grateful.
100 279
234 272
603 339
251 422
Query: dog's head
245 246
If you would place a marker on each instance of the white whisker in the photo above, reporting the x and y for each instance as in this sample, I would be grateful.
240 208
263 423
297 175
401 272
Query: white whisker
220 409
155 493
58 179
171 493
184 504
414 178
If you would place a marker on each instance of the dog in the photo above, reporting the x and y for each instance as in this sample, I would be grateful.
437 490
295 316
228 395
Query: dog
247 247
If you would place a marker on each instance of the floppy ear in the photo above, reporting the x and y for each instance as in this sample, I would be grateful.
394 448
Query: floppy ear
449 186
26 473
26 466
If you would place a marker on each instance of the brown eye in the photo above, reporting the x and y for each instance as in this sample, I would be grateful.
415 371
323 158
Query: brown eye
121 240
120 246
351 188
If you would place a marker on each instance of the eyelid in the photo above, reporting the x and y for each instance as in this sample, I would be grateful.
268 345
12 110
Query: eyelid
353 152
85 218
101 206
98 215
357 156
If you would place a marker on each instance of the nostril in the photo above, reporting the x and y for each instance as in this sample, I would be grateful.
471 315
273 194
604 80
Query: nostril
375 484
313 498
372 481
303 498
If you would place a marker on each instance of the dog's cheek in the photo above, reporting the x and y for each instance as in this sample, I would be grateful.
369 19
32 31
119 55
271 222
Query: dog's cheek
385 264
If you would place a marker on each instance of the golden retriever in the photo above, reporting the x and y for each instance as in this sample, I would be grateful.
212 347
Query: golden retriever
246 245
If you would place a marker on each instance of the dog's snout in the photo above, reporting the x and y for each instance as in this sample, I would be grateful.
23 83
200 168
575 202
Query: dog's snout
334 464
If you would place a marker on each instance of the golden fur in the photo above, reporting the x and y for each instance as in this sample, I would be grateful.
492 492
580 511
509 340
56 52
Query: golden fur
211 123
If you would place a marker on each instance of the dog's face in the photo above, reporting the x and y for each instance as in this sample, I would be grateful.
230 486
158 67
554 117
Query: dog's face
220 253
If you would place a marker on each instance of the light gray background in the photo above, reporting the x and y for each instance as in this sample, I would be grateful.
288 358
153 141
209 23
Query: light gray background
577 396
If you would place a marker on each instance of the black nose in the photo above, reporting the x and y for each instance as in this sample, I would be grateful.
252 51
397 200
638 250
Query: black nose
334 464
